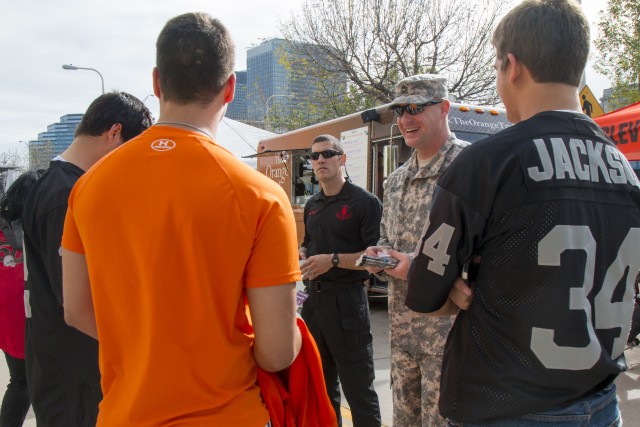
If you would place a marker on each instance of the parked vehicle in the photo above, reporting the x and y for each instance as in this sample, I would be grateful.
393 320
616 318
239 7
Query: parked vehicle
374 148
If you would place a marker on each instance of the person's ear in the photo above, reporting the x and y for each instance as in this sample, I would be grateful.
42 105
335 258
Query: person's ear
230 89
155 77
513 67
446 106
114 134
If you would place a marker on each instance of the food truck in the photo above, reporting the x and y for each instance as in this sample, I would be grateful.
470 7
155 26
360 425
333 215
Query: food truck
373 145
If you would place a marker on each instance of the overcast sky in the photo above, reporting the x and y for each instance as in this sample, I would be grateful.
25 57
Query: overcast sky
117 38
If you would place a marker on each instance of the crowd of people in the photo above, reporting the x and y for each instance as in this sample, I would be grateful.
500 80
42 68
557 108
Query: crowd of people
160 272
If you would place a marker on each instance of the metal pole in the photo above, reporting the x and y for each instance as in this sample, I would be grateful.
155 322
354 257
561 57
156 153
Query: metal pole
74 67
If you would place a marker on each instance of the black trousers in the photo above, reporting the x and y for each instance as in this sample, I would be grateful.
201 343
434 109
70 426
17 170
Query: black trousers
15 403
635 324
339 322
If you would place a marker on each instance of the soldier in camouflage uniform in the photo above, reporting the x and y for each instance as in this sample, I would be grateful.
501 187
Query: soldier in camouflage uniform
417 341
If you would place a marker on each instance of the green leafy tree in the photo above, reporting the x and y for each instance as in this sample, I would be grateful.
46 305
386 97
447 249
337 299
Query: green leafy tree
374 43
618 50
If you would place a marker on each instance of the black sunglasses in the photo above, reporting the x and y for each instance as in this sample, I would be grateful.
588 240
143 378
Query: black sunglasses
327 154
412 109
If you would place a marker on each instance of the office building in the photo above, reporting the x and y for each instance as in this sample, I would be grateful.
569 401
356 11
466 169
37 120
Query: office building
237 109
277 81
54 141
266 79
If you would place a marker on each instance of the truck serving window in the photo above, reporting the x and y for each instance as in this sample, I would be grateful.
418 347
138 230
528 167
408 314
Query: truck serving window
304 181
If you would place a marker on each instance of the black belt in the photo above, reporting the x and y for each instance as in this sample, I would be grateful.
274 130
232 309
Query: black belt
328 285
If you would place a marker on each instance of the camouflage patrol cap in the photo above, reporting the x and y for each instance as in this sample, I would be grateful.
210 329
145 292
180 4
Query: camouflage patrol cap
419 89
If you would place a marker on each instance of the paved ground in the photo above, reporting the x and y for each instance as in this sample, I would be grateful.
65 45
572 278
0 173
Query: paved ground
381 354
628 383
629 389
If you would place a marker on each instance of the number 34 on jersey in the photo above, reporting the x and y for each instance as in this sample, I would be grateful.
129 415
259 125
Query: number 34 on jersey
604 314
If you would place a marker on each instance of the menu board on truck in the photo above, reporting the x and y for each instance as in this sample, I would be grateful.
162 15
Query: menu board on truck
355 143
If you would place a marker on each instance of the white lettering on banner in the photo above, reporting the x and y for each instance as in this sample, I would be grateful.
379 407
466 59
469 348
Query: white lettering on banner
278 174
584 161
477 123
282 158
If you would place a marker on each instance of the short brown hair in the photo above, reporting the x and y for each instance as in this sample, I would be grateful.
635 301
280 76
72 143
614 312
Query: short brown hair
195 57
329 138
550 37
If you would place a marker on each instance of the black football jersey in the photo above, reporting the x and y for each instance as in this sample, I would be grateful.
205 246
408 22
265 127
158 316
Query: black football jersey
61 362
553 210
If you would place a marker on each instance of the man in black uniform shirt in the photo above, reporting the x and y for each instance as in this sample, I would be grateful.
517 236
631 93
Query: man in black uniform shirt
552 209
341 221
62 363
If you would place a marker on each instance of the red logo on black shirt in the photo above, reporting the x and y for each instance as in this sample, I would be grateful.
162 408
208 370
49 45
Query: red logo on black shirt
313 212
344 213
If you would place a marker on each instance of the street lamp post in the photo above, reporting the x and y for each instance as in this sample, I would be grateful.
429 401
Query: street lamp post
73 67
267 106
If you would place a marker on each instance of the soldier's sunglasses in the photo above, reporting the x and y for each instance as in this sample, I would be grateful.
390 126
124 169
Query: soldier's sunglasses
327 154
412 109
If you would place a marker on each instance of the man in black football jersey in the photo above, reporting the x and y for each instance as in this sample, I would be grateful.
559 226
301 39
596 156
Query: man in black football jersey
552 209
62 363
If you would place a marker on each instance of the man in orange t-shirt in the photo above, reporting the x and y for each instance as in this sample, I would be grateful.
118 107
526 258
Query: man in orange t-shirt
167 240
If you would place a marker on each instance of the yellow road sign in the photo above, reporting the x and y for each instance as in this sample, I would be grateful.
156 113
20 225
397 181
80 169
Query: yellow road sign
590 105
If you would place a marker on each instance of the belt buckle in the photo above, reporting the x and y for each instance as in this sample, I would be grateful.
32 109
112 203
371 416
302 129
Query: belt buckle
314 285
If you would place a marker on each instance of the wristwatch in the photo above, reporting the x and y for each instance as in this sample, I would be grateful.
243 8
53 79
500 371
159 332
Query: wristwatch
335 260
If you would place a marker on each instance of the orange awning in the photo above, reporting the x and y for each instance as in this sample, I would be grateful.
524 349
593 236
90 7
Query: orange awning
623 127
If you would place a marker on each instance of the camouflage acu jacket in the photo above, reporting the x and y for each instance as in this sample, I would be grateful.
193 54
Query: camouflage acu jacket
407 197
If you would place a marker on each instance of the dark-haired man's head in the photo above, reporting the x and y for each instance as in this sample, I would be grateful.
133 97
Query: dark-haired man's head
194 58
550 37
335 143
115 108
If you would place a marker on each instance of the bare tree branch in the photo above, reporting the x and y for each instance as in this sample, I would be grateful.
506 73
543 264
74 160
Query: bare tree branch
375 43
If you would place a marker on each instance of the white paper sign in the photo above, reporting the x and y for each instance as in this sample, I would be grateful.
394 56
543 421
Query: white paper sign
356 146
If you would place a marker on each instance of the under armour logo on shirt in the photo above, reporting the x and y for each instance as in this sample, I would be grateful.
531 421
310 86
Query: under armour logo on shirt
163 145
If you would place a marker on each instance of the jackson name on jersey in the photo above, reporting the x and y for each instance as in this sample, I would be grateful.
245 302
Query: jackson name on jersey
583 160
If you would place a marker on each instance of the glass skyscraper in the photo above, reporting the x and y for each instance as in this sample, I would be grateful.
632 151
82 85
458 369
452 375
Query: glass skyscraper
54 141
237 110
267 79
278 81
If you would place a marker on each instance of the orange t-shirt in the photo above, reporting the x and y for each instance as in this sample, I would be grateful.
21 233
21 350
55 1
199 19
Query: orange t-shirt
174 227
